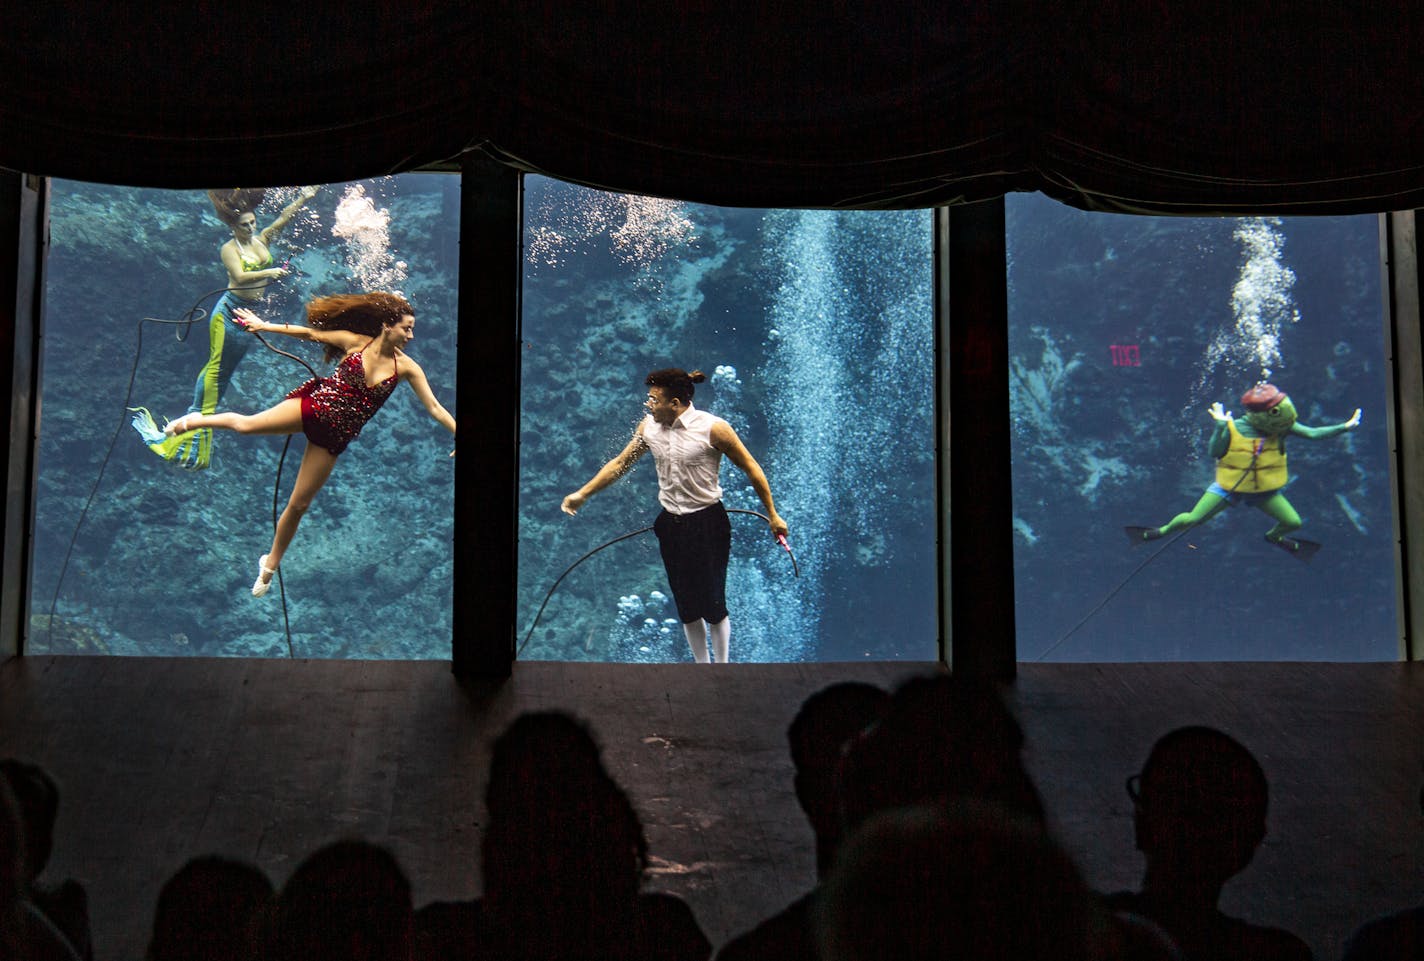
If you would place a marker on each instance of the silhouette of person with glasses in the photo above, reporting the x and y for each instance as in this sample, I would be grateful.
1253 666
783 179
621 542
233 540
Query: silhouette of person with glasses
1199 810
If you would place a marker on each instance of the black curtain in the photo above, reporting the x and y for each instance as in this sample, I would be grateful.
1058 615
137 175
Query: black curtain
1131 105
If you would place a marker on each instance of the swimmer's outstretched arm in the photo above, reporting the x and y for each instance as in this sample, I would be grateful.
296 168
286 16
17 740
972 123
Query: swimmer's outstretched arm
608 473
253 324
288 212
1315 433
412 372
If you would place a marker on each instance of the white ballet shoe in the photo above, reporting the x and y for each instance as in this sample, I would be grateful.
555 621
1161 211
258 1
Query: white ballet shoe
259 586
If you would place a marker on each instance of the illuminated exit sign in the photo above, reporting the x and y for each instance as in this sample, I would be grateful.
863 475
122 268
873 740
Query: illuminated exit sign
1125 355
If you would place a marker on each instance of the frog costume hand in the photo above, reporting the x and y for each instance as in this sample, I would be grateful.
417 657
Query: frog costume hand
1251 467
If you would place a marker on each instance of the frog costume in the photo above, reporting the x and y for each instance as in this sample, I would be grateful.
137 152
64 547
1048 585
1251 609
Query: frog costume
1251 467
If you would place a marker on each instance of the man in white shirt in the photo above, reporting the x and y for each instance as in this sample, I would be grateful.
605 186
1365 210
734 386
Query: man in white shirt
693 532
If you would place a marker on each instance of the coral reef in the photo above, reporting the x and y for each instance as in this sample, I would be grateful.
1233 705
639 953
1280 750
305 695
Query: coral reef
1037 393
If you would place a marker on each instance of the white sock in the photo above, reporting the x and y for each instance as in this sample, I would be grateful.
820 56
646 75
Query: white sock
721 638
696 633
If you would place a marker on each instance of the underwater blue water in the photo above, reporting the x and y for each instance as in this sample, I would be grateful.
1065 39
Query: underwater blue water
1123 331
156 560
815 329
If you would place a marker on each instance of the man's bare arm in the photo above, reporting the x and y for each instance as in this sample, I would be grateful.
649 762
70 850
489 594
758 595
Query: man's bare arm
726 440
608 473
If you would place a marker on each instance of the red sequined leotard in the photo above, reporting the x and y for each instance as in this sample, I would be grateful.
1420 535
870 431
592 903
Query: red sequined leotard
335 408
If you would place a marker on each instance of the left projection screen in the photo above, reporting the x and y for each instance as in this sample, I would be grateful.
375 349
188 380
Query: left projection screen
140 553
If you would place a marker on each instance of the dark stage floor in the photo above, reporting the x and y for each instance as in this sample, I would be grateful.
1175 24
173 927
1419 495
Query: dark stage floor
160 760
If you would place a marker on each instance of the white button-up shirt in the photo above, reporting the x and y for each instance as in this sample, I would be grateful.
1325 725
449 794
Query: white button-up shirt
686 460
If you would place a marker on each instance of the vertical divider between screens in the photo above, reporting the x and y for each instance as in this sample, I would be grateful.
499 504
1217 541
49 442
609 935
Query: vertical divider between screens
980 484
486 550
944 542
1402 282
24 233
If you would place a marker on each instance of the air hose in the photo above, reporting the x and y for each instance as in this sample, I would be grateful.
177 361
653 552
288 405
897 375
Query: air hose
1255 453
780 539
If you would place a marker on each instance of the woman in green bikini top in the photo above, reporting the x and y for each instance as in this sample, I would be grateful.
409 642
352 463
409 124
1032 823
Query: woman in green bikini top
248 261
247 256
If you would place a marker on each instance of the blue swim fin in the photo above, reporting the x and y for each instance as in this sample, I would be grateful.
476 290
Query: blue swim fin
143 423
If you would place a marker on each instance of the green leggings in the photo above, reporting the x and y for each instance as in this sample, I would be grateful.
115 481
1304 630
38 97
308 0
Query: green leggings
1212 503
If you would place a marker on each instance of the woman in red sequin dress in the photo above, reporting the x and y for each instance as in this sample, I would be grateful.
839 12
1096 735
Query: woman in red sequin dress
367 334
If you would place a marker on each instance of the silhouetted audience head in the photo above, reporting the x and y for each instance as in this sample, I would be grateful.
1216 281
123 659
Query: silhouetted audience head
564 852
209 911
1200 806
12 856
1199 815
966 880
56 915
941 737
540 751
349 899
827 721
37 796
547 787
1397 936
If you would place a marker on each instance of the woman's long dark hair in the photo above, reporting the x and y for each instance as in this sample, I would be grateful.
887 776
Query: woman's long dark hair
230 203
367 314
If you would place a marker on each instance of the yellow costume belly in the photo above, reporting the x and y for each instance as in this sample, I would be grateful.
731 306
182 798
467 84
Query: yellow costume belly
1252 465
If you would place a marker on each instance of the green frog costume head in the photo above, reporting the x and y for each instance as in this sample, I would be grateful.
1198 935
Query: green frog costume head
1268 410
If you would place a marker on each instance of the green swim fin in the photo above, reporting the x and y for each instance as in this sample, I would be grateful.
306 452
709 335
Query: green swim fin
1141 535
191 449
